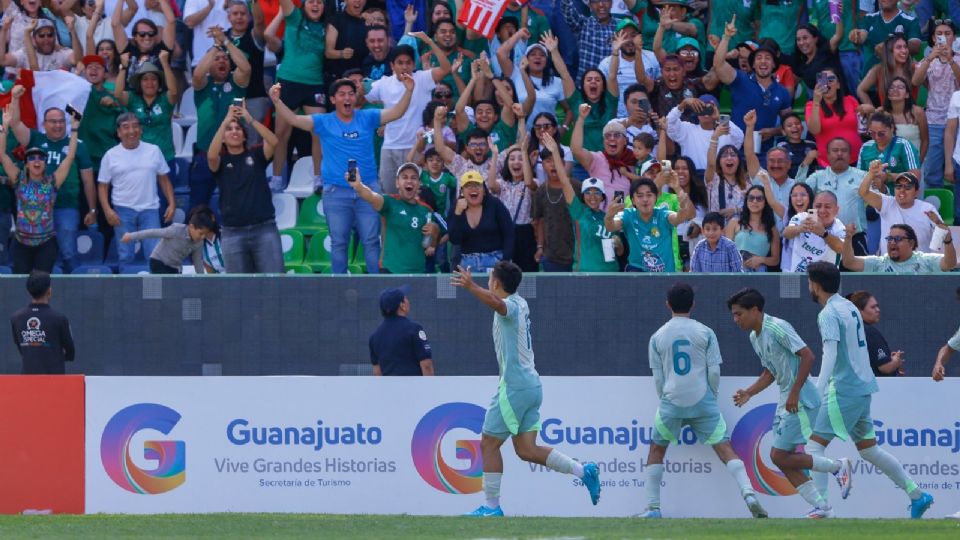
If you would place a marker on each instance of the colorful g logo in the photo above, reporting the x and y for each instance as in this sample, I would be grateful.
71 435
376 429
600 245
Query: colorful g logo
115 450
745 440
428 459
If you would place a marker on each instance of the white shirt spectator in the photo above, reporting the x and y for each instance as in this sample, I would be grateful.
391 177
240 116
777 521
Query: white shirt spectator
694 141
627 76
953 113
807 247
201 41
103 31
59 59
133 174
915 216
547 97
401 134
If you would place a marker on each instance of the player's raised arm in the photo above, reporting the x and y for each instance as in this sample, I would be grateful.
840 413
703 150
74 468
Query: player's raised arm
463 279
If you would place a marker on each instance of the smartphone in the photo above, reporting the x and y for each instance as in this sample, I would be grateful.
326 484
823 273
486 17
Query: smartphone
941 39
821 79
351 170
618 196
666 165
724 119
73 112
452 114
238 102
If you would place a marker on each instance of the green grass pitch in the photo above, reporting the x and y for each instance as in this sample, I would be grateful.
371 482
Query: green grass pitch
266 526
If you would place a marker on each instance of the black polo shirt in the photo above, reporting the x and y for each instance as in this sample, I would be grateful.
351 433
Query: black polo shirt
398 345
42 335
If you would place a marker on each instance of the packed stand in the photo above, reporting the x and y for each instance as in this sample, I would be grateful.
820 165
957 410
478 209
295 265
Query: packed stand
580 136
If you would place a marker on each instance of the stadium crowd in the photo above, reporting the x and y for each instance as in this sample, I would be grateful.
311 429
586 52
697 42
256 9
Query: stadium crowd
583 136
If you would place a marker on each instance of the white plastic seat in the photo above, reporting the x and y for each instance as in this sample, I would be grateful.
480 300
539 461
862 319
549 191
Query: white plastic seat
301 178
286 210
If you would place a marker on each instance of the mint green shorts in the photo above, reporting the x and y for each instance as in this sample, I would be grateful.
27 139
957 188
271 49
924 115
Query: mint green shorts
709 427
793 429
512 412
847 417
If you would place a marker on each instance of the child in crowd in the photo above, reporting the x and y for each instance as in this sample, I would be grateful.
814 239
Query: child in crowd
177 241
802 151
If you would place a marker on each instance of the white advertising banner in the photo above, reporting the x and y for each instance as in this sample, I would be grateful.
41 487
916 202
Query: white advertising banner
412 445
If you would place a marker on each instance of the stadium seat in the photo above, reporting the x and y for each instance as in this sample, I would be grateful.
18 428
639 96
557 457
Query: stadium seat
92 269
187 111
177 137
357 263
311 220
89 247
943 200
291 241
725 101
113 261
286 210
318 255
6 270
186 150
301 178
179 216
135 269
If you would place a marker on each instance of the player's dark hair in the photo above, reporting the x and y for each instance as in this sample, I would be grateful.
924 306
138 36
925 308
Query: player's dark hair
509 275
680 297
38 283
859 298
713 217
826 275
747 298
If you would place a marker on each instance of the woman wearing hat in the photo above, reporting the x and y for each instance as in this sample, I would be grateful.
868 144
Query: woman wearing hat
543 61
147 39
36 192
481 226
152 105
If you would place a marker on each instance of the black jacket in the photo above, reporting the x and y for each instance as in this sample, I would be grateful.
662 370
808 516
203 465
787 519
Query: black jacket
43 337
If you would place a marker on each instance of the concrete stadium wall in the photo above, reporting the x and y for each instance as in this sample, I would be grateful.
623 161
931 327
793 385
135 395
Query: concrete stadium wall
319 325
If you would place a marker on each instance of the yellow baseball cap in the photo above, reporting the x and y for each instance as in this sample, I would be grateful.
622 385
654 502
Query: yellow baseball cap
470 177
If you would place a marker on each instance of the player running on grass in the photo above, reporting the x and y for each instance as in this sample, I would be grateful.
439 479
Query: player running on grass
787 360
846 383
685 360
514 411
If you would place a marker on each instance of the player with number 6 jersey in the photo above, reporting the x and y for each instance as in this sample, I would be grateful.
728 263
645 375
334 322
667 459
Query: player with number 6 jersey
685 361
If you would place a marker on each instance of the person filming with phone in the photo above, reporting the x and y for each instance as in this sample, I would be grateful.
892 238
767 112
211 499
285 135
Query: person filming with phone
694 139
348 134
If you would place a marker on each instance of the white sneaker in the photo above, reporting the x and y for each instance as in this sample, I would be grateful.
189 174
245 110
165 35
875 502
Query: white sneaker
820 513
844 477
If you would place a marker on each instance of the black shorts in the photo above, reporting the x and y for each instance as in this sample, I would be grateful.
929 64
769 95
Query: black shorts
296 95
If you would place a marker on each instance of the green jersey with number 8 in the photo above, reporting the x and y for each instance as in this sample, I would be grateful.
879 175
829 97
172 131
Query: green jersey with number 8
681 350
840 321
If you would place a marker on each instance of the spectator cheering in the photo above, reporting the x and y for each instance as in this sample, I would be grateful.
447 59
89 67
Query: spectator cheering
409 234
347 134
755 232
250 239
814 235
399 346
153 106
36 191
551 220
902 256
480 225
133 169
901 208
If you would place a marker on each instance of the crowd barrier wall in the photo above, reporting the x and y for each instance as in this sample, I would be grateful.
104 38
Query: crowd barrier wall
411 445
319 325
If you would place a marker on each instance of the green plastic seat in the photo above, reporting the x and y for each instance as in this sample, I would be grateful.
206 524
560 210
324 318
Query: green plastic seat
310 219
947 204
318 254
291 242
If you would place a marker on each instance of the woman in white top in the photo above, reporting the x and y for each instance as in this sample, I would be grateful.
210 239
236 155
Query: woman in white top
543 65
511 180
726 176
910 119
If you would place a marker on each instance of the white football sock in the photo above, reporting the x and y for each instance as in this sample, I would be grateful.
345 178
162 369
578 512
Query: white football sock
491 488
820 479
809 492
739 473
564 464
654 477
825 464
891 467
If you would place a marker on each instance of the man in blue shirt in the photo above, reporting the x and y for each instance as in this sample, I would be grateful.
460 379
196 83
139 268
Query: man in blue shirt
758 91
345 134
399 346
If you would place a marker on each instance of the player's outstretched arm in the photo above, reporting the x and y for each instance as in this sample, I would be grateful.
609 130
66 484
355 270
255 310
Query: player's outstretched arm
939 371
741 397
463 279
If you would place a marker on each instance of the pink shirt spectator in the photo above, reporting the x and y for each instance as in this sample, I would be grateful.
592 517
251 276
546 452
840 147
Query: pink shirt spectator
833 126
941 84
613 180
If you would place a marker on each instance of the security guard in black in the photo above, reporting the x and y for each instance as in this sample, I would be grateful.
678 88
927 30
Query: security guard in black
42 334
399 346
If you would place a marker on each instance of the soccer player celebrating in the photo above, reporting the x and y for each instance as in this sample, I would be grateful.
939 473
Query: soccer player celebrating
846 383
514 411
787 360
685 360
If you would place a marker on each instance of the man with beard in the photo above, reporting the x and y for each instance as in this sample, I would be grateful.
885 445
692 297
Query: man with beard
476 149
902 255
694 137
42 52
445 36
843 181
375 65
672 87
630 64
817 235
595 31
903 207
406 223
758 91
